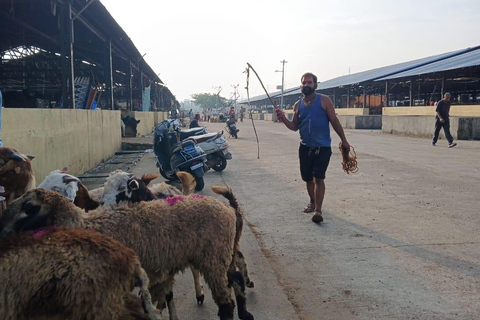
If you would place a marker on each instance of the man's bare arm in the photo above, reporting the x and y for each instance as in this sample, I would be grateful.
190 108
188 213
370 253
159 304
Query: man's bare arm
329 108
292 125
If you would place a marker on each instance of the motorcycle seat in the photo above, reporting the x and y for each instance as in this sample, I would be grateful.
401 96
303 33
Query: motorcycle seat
193 130
205 137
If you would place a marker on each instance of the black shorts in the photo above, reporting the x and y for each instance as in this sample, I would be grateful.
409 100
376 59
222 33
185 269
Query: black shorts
314 162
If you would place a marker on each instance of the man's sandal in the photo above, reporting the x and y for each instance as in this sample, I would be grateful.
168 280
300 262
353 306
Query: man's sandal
309 208
317 217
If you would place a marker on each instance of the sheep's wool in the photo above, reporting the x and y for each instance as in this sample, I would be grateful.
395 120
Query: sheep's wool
172 200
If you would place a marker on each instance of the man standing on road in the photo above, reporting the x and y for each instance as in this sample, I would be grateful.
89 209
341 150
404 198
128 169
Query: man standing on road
312 115
442 120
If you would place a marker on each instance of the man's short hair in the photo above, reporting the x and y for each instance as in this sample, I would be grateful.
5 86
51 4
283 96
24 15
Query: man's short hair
309 74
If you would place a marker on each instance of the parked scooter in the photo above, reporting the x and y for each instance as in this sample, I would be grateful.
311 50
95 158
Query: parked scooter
232 126
174 155
216 148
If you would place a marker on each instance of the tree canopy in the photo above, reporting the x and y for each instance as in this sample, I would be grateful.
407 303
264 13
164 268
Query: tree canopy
209 100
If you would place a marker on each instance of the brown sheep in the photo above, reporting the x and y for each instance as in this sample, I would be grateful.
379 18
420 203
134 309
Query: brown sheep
70 273
168 235
16 173
123 186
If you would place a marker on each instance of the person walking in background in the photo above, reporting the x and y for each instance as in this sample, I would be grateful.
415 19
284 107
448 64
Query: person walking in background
312 115
190 114
442 120
242 111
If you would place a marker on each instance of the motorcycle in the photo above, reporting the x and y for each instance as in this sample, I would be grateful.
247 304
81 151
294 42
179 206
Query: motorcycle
215 147
174 155
232 126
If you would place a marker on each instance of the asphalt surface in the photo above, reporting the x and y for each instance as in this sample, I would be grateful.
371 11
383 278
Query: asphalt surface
400 238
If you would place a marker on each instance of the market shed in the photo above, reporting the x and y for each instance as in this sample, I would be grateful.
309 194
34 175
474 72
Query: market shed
416 82
73 54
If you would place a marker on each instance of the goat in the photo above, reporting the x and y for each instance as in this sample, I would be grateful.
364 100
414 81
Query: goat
16 173
168 235
71 274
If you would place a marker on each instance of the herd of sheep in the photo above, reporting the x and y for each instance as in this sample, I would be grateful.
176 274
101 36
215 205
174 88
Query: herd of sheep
67 252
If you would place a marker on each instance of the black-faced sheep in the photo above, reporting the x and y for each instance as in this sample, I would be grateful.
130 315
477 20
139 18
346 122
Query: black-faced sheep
168 235
16 173
66 273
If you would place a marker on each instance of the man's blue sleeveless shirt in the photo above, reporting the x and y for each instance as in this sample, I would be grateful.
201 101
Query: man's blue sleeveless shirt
314 124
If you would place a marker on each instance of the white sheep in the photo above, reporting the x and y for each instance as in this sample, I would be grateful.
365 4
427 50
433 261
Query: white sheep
72 188
168 235
71 274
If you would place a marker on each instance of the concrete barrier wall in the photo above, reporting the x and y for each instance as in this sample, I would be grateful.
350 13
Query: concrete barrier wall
347 122
418 126
469 128
352 111
268 117
368 122
78 139
455 111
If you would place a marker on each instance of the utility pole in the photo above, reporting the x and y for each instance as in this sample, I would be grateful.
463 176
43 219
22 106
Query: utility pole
235 94
283 78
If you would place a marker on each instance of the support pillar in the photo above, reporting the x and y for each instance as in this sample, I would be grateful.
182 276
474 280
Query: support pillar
109 75
386 94
129 81
67 60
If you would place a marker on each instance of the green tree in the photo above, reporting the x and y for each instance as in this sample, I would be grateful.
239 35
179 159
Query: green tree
209 100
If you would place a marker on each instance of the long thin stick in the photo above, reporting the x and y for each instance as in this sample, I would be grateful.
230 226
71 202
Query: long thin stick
247 71
273 102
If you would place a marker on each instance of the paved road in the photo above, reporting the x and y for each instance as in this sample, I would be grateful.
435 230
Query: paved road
400 238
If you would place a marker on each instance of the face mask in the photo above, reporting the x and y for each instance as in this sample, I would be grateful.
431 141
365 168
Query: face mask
307 90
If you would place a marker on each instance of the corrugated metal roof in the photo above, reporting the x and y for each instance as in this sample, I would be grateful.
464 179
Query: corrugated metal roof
382 72
464 60
393 71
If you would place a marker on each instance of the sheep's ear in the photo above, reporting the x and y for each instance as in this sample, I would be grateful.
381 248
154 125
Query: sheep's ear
64 170
71 190
134 185
29 156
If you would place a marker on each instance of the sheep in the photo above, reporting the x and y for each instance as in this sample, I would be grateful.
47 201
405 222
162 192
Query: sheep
121 186
16 173
168 235
71 273
72 188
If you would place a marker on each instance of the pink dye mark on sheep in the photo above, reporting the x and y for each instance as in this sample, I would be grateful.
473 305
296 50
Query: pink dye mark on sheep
42 232
198 196
172 200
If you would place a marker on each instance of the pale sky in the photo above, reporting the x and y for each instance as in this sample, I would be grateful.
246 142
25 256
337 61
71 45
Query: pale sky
197 46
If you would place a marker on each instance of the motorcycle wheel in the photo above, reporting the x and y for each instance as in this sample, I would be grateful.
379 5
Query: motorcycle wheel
200 183
221 163
165 176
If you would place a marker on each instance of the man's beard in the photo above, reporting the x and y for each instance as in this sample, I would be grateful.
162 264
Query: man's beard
307 90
